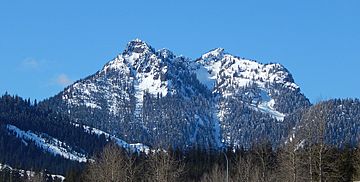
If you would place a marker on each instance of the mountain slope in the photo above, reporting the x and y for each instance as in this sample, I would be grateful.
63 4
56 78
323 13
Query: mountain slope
336 121
147 96
140 96
252 98
46 143
34 137
231 76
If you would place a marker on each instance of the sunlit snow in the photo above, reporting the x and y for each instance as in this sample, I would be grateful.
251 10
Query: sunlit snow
47 143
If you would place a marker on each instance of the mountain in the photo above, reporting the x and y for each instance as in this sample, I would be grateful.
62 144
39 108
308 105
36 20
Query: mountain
160 99
33 137
335 122
252 99
145 99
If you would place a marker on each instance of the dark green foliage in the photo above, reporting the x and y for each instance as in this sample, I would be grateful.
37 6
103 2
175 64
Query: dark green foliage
26 116
342 121
340 158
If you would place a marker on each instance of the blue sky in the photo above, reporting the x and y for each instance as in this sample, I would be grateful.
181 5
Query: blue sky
47 45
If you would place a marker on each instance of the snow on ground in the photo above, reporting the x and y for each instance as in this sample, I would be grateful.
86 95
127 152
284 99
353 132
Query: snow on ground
217 126
266 105
146 75
139 95
87 89
22 172
205 78
215 53
153 85
136 147
56 176
229 71
47 143
147 83
92 105
140 147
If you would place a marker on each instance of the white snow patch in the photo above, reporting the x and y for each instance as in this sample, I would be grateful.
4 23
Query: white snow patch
137 147
266 105
146 77
92 105
213 53
47 143
59 177
22 172
228 70
219 117
141 147
205 78
217 130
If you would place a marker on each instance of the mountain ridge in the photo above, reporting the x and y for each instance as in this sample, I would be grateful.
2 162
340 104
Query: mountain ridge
145 99
140 77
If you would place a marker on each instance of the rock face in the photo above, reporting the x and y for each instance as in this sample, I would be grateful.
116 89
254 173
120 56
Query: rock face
157 98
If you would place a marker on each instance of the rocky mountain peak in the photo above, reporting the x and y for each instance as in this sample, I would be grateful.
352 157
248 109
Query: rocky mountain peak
142 86
166 54
214 54
138 46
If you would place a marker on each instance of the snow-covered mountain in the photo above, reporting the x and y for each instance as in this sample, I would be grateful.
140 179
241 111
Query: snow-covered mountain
158 98
251 97
224 74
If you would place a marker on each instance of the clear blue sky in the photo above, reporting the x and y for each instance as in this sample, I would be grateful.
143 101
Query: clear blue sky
44 45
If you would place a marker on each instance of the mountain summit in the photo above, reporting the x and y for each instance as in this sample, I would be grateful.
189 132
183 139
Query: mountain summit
147 95
138 46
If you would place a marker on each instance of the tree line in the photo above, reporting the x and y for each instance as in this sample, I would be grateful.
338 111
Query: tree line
306 155
259 163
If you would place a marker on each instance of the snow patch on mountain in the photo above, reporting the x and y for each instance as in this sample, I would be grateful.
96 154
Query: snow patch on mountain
139 147
205 77
136 147
146 71
139 66
47 143
230 71
115 94
214 54
217 127
224 73
266 105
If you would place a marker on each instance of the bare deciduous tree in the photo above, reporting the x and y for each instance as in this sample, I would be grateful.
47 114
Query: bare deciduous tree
217 174
356 176
111 165
263 157
243 168
289 161
320 158
164 168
